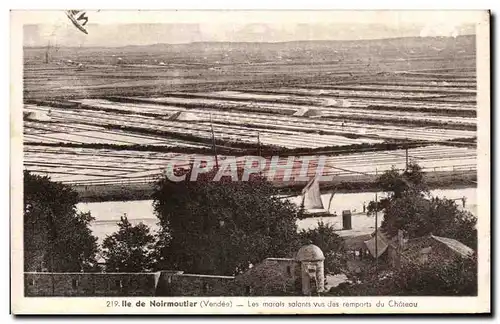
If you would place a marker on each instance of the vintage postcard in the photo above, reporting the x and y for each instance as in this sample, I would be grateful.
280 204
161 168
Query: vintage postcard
250 162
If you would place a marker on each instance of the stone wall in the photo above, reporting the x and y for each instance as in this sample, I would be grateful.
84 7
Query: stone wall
89 284
274 276
167 283
179 284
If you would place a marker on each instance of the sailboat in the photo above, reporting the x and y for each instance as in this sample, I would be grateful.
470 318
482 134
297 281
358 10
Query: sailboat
311 200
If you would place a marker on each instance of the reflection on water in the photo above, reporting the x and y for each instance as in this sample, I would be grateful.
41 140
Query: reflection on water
107 214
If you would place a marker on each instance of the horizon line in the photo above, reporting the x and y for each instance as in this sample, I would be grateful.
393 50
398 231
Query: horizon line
253 42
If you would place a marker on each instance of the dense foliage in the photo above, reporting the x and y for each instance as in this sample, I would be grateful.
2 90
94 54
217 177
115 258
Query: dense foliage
130 249
410 207
56 237
222 227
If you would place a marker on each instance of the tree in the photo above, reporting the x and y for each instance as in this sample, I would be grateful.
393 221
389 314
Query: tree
57 237
221 227
395 184
326 238
449 221
130 249
410 207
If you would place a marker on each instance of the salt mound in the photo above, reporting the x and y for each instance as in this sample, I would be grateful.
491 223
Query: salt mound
330 102
184 116
337 103
187 116
345 103
38 115
308 112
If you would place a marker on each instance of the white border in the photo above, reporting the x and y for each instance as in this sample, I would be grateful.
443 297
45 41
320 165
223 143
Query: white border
313 5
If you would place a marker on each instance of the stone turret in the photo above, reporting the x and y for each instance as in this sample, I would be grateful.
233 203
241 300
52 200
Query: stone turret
311 260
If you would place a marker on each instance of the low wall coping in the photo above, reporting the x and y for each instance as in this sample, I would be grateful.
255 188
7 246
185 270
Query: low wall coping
279 259
90 273
205 276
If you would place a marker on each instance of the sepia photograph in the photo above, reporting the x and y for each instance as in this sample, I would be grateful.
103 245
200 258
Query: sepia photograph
251 154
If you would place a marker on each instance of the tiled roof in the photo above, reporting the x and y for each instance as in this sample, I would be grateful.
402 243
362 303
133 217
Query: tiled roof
415 247
455 245
356 242
383 242
377 245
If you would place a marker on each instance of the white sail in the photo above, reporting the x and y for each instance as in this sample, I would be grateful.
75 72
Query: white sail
312 195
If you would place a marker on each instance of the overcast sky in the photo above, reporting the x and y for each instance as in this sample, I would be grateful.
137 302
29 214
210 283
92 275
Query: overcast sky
143 28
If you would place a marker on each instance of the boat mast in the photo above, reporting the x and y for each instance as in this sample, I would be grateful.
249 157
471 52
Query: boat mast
330 202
